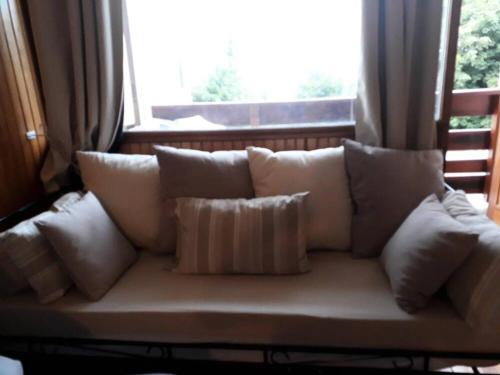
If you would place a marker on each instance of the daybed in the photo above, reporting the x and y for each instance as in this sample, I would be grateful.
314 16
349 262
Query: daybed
343 305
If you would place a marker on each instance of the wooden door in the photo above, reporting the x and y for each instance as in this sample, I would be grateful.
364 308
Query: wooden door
22 137
493 184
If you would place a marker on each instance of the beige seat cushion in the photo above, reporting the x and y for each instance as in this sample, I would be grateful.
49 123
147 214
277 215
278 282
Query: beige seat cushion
342 302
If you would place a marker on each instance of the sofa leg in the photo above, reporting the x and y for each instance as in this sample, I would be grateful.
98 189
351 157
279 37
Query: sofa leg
426 363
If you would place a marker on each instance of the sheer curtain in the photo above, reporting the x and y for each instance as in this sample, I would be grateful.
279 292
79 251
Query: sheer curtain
79 54
399 63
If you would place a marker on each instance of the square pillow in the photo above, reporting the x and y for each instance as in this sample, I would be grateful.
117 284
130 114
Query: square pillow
322 173
473 288
424 252
33 255
255 236
386 185
199 174
89 244
128 186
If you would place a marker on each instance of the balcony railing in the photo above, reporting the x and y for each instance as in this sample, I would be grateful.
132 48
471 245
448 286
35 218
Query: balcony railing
470 150
312 111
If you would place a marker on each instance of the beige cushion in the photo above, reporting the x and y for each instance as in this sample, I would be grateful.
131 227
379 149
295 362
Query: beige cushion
423 253
33 255
342 302
322 173
128 187
386 185
255 236
473 288
199 174
89 244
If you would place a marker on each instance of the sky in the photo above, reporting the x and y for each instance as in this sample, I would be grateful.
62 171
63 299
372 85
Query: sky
275 44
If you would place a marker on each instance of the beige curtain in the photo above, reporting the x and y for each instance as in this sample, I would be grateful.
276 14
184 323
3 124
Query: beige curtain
79 54
396 92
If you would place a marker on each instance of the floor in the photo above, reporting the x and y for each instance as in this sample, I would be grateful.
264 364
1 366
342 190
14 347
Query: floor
469 370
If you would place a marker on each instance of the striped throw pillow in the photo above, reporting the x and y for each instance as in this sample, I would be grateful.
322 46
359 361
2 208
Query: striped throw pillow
240 236
34 257
12 280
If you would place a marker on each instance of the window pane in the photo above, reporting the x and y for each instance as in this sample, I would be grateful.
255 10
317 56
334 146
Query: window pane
192 51
478 55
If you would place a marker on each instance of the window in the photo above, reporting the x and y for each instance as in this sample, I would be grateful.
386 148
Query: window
240 63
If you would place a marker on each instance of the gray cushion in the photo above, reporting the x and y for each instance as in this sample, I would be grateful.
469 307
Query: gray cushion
89 244
424 252
199 174
473 288
386 185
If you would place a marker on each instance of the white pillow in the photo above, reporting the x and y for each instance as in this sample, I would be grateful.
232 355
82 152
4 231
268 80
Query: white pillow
322 173
128 187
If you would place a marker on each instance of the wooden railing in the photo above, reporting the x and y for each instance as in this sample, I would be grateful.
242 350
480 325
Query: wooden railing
310 111
467 160
469 150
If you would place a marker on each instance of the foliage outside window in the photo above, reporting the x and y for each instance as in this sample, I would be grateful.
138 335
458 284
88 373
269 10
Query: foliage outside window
478 54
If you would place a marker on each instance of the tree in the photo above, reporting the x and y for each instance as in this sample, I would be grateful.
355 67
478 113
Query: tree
478 53
223 85
319 85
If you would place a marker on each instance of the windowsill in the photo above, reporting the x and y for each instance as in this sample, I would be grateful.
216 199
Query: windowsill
241 128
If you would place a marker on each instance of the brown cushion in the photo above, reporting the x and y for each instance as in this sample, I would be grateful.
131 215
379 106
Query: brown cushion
424 252
199 174
89 244
254 236
386 185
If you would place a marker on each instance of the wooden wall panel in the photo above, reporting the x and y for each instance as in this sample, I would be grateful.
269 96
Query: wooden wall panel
20 113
